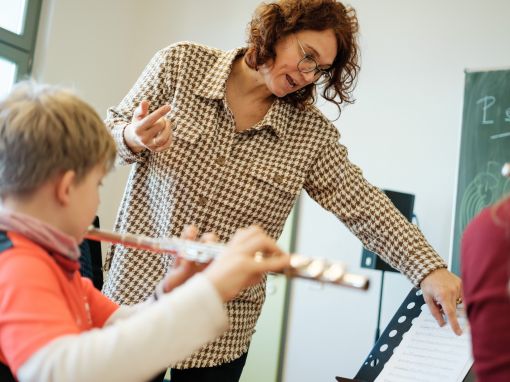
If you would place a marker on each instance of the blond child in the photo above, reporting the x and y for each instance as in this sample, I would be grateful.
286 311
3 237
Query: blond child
54 326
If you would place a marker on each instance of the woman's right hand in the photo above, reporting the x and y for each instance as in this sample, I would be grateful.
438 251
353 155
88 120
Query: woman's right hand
149 131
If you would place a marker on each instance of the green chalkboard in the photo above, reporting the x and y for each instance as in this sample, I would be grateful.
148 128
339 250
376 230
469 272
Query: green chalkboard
485 147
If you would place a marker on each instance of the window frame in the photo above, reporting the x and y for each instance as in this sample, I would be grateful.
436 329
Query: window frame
19 48
19 58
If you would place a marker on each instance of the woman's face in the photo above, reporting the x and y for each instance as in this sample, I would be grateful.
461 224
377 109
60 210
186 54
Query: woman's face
282 75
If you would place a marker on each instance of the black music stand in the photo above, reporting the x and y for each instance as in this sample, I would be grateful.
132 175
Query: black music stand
405 204
376 360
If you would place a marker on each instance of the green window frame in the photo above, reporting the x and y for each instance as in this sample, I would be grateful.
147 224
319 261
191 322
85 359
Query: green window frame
19 48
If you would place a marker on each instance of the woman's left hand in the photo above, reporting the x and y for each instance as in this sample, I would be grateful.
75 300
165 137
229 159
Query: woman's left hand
442 291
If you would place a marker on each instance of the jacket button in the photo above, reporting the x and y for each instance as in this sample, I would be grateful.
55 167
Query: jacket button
221 160
202 201
278 179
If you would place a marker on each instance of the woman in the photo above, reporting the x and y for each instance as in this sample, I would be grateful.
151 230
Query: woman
486 273
226 139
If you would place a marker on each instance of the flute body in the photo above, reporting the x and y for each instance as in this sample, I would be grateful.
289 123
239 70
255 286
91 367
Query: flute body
303 267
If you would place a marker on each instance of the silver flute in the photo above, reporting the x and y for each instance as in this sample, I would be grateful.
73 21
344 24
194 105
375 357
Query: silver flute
303 267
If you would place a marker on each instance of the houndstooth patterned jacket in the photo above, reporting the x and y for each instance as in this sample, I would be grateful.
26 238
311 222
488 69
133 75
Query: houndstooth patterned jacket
220 180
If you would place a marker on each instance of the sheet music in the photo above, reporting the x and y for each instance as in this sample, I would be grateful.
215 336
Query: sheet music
429 353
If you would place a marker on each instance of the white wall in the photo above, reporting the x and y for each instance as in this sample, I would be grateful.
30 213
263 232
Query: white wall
403 130
87 45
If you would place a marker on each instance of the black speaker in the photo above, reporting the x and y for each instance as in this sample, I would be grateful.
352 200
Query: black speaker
405 204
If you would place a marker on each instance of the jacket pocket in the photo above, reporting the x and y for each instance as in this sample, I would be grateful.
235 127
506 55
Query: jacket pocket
281 180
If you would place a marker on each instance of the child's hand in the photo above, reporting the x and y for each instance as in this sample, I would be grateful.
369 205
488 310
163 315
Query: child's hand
242 265
184 269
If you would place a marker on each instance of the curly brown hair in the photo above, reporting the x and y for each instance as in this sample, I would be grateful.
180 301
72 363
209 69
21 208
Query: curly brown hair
273 21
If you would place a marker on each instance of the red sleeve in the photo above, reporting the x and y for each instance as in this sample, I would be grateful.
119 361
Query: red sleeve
33 310
101 307
485 275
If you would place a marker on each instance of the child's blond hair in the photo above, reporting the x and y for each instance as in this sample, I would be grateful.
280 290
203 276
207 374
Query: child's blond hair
46 130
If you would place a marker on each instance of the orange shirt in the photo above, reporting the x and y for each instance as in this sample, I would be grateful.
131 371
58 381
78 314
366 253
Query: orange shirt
41 300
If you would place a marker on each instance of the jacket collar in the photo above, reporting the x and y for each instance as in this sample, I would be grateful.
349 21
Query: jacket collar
214 83
213 86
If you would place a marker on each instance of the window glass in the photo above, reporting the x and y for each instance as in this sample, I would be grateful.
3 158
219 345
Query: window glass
7 76
12 16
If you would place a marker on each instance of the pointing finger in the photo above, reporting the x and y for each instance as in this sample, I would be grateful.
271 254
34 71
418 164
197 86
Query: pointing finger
147 122
141 110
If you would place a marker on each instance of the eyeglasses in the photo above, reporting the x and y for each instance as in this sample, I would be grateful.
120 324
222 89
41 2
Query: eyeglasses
308 65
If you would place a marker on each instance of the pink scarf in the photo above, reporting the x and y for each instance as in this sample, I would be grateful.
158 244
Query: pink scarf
58 244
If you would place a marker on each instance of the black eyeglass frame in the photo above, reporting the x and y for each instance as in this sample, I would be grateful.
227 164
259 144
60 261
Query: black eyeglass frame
320 76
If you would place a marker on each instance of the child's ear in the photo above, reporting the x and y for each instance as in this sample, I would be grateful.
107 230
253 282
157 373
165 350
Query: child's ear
64 185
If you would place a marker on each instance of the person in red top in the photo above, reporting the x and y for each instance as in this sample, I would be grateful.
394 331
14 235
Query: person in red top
485 267
54 326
